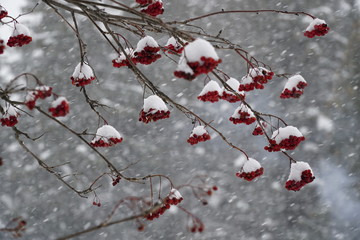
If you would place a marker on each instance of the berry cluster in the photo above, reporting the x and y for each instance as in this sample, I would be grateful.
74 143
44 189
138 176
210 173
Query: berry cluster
122 61
289 143
147 56
209 191
250 170
9 118
230 96
256 78
41 92
116 180
174 198
2 46
153 115
59 107
317 27
98 204
144 2
82 75
258 130
294 87
3 12
175 48
20 36
300 175
206 65
198 134
154 8
211 92
243 115
106 136
197 226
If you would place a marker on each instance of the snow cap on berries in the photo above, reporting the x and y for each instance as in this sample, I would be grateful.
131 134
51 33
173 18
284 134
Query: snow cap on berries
146 51
198 134
173 46
154 109
199 48
106 136
286 138
243 114
250 170
146 41
20 36
230 96
317 27
59 107
43 91
211 92
300 174
294 87
3 12
9 118
174 197
82 75
30 99
122 60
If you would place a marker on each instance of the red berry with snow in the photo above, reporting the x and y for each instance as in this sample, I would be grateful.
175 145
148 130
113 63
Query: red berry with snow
173 47
174 198
294 87
230 96
9 118
20 36
106 136
2 46
198 57
243 114
154 109
198 134
43 91
211 92
144 2
59 107
122 61
250 170
30 99
317 27
3 12
255 79
286 138
258 130
300 175
82 75
153 9
146 51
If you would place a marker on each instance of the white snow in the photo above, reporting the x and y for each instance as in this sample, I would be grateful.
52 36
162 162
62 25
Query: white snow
233 84
285 132
154 102
146 42
247 79
128 51
20 29
251 165
58 101
10 111
197 49
211 86
199 130
172 41
324 123
83 70
183 67
42 88
243 108
174 193
30 96
293 81
105 133
315 22
296 170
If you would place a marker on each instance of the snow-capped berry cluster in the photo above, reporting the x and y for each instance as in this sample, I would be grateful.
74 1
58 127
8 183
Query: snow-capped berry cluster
59 107
2 46
229 96
198 134
286 138
174 197
300 175
106 136
146 51
9 118
256 78
317 27
250 170
41 92
294 87
122 61
20 36
211 92
144 2
172 46
82 75
154 8
154 109
3 12
243 114
198 57
258 130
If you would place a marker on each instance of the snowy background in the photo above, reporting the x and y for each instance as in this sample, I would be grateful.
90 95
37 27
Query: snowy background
327 114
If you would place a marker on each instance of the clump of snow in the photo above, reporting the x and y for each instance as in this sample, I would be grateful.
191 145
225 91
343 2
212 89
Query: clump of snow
251 165
147 41
199 131
297 169
83 70
155 103
20 29
234 85
128 51
243 109
10 111
314 23
211 86
199 48
58 102
284 133
105 133
293 82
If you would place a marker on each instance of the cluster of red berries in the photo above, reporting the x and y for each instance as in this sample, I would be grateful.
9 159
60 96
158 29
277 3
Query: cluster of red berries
195 139
170 48
147 56
174 198
289 143
207 65
149 116
197 226
306 177
3 12
256 78
41 92
81 81
243 115
19 40
258 130
2 46
98 204
9 121
154 8
230 97
106 143
318 30
211 96
295 92
120 63
59 108
116 180
249 176
209 191
144 2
